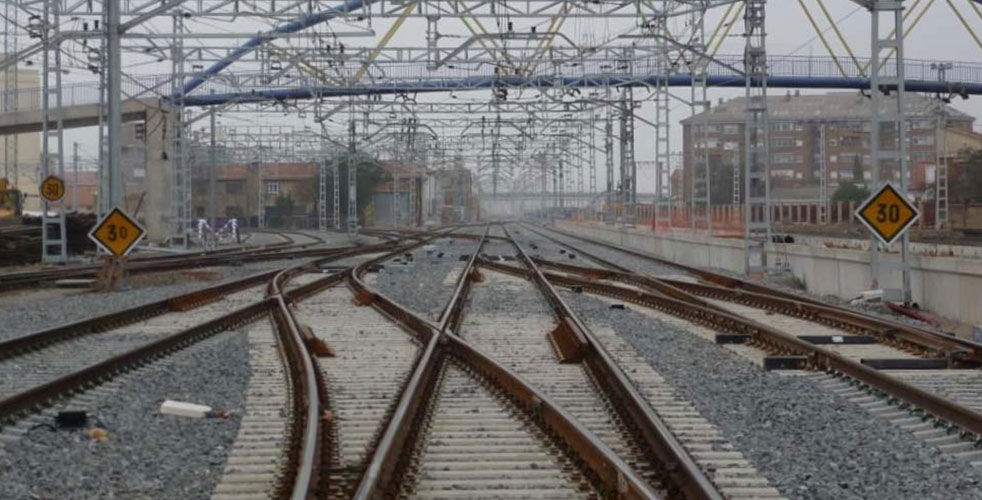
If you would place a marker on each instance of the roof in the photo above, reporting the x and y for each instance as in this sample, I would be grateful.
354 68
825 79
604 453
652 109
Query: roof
834 106
270 171
404 169
288 171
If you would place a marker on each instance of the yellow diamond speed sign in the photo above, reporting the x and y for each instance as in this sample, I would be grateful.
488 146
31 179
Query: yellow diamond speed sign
117 233
888 214
52 188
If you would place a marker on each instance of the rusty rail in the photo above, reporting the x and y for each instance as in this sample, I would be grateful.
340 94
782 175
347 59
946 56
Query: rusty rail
956 349
649 429
37 340
10 281
302 473
42 395
778 341
390 457
392 454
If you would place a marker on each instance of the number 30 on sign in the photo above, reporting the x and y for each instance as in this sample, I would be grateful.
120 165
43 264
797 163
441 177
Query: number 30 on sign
117 233
888 214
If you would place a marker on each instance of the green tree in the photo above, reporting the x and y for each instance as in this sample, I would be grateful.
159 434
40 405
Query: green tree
858 176
965 181
854 190
281 211
368 173
848 191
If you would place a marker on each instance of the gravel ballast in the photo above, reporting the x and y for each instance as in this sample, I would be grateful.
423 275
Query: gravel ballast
32 314
145 455
629 261
811 443
425 283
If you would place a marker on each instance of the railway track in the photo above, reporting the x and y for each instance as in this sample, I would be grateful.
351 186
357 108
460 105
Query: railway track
289 249
918 379
62 361
508 395
431 444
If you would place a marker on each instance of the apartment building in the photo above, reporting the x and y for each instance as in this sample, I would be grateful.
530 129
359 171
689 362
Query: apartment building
816 135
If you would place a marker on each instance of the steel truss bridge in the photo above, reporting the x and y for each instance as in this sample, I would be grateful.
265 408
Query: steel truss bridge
531 95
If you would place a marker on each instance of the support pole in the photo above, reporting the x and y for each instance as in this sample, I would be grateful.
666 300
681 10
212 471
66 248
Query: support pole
114 102
352 219
213 175
887 115
757 183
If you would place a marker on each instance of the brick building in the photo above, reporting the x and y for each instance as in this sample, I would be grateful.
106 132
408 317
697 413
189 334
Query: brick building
809 130
238 191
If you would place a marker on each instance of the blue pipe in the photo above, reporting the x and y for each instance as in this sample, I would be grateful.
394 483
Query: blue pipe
285 29
473 83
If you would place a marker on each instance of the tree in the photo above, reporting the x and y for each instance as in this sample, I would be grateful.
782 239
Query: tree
368 173
858 176
848 191
965 182
854 190
281 211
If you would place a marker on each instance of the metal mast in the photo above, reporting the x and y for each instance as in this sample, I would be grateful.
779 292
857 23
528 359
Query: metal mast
609 159
628 190
181 183
322 195
114 105
888 115
54 239
699 131
662 207
352 219
757 205
336 193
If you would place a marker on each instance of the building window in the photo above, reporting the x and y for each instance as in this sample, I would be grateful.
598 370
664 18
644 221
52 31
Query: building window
782 126
234 187
782 142
233 211
199 212
273 187
731 129
787 158
922 140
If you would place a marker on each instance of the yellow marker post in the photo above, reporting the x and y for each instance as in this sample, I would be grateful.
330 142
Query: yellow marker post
117 233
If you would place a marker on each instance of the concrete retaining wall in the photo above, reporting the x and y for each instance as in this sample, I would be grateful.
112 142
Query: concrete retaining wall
949 286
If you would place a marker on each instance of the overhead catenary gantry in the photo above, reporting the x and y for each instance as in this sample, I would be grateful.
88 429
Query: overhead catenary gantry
560 86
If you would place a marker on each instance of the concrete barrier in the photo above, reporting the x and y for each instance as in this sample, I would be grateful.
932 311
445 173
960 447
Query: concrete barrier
949 286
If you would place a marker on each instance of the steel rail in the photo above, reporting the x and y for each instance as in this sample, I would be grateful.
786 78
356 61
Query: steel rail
158 262
150 264
836 318
44 394
309 441
388 459
615 476
957 349
302 473
777 341
25 343
661 445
